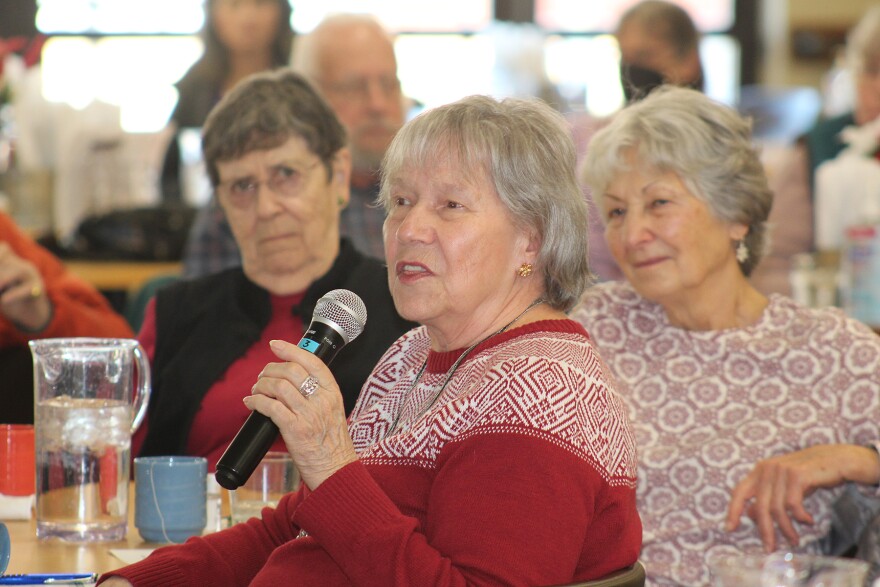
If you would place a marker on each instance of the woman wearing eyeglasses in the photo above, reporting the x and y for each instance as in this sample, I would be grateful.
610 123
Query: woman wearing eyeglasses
241 37
277 158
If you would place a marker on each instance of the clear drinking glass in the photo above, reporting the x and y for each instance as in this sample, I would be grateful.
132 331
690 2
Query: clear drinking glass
787 570
273 477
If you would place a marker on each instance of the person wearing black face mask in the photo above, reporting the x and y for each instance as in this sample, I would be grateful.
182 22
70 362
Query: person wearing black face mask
659 43
637 82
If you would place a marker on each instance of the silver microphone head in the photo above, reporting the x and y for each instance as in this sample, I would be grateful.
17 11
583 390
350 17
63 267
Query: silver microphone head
344 309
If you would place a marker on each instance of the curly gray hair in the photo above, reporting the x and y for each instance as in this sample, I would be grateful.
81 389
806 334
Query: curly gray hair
707 144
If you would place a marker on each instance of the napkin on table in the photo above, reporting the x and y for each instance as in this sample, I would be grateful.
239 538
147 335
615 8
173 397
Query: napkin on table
14 507
131 555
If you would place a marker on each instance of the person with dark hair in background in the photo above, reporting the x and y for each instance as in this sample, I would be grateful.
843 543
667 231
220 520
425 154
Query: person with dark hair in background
241 37
659 44
277 158
350 59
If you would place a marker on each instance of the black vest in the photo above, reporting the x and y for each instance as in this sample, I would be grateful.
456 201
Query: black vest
204 325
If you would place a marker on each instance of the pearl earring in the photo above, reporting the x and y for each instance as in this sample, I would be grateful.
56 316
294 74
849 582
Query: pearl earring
742 252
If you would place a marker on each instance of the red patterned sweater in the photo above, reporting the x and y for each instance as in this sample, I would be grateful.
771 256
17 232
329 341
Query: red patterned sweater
521 473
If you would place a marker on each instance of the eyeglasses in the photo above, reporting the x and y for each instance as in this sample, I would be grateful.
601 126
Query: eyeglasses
358 89
287 180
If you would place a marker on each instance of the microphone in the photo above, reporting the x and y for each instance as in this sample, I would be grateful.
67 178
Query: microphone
338 319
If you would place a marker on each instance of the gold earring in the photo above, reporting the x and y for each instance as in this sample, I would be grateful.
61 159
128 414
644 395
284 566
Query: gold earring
524 270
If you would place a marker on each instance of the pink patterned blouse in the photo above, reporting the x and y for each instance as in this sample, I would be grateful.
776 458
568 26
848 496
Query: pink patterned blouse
707 405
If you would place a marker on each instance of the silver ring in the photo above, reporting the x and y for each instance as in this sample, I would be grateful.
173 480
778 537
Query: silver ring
309 386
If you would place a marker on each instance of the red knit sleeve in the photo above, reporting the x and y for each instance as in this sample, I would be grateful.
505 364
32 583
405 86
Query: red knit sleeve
78 308
507 509
231 557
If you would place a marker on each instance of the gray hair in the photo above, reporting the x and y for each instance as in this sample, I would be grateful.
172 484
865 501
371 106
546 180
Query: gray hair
863 42
708 145
308 49
525 149
265 110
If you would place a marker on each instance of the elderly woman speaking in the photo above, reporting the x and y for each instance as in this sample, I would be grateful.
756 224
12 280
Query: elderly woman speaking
741 403
487 447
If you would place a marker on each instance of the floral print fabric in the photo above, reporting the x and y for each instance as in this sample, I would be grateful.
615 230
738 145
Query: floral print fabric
707 405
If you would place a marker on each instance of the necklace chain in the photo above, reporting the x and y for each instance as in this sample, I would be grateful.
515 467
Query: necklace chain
452 369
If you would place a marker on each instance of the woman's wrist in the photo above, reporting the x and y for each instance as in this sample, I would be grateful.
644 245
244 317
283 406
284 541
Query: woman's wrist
874 447
858 463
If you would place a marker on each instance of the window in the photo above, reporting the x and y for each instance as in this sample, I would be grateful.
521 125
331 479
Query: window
127 53
131 52
450 16
114 17
578 16
137 74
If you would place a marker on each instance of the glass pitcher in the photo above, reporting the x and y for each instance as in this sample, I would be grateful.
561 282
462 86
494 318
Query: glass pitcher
88 402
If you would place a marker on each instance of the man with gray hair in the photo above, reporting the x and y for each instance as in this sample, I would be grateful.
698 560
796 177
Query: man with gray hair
350 59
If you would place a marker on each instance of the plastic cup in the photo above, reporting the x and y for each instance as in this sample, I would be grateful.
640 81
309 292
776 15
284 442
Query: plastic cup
17 468
273 477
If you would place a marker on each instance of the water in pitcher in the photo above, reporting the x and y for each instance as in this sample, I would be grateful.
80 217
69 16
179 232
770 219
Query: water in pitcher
83 449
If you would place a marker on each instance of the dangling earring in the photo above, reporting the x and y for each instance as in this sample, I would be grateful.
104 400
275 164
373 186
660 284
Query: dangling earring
524 270
742 252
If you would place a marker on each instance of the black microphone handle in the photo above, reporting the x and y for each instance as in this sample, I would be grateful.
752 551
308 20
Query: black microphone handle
258 433
247 449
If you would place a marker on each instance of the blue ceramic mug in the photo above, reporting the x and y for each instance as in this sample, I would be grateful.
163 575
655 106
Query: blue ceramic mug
5 547
170 497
